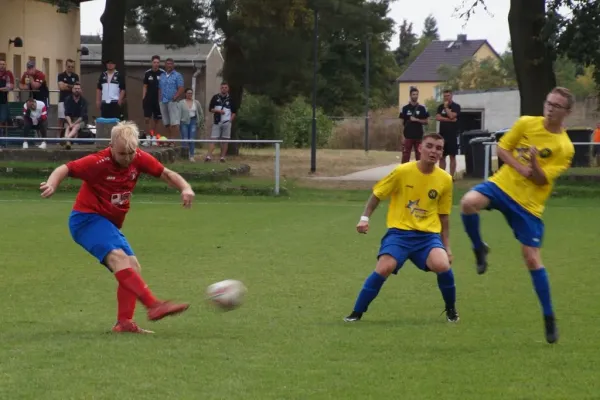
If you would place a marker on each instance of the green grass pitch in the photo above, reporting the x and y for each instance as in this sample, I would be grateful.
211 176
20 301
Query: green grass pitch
303 264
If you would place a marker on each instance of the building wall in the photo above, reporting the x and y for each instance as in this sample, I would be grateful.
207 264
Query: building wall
49 37
500 108
484 52
134 86
427 90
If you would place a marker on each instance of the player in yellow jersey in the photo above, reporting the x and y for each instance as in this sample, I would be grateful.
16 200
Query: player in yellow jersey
420 196
536 151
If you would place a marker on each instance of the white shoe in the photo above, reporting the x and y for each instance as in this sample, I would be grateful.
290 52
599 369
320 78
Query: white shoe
192 159
25 145
42 146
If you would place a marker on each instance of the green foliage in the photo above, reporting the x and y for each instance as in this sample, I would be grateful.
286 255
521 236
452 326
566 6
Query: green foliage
482 75
295 124
407 42
261 118
579 81
432 105
430 28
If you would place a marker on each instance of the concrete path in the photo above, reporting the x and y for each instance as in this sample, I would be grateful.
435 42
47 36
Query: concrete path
375 174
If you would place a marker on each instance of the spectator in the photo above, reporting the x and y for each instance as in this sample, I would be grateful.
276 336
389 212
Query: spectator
170 89
150 101
34 81
223 108
66 80
448 114
192 118
596 138
110 92
35 115
415 115
76 114
7 83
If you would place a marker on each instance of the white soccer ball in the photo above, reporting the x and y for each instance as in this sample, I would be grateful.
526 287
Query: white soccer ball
226 295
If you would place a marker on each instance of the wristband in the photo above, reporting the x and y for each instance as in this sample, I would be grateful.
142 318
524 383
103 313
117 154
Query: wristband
364 219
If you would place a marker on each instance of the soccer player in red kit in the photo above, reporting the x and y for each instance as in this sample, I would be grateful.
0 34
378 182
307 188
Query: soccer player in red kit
109 177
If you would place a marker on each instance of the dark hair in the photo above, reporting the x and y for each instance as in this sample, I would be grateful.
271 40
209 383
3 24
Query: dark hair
169 59
188 90
447 91
70 61
413 89
155 58
31 98
432 135
224 83
77 83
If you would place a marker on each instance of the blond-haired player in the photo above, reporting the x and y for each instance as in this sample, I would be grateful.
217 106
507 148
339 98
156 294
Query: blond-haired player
109 177
536 151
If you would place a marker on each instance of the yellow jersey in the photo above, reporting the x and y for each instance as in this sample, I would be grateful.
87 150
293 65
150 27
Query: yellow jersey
555 152
416 199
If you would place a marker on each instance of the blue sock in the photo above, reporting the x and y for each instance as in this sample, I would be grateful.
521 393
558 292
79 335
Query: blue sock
471 224
446 285
369 291
542 288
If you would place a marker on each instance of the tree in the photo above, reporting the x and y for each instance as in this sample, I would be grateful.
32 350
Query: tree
483 75
407 42
133 35
532 51
430 28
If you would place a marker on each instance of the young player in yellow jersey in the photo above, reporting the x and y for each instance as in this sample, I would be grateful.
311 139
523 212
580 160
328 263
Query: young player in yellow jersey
420 196
536 151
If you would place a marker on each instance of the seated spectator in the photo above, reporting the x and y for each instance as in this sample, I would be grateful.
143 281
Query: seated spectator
35 116
76 114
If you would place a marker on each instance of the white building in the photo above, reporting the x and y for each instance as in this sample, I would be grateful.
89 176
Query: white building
493 109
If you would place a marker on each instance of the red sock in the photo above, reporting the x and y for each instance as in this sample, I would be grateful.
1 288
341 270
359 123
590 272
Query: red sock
126 300
133 282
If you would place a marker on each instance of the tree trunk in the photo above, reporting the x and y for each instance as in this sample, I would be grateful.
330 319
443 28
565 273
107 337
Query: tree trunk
533 61
233 73
113 36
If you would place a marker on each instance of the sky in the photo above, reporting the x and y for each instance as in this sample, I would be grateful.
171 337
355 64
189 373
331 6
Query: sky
492 26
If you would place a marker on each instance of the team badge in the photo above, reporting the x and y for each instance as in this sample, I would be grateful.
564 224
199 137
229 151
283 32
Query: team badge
432 194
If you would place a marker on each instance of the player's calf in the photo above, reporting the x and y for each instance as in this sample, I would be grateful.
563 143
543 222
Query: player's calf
471 204
439 263
386 265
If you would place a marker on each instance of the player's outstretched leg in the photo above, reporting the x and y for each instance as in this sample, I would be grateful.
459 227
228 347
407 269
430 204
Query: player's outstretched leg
541 284
438 262
471 204
126 302
384 268
120 264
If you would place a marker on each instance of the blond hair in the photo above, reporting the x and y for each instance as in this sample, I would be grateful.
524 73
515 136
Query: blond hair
126 131
566 93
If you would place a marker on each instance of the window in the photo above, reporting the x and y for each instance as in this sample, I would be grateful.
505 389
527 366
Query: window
437 93
17 68
46 66
3 57
59 66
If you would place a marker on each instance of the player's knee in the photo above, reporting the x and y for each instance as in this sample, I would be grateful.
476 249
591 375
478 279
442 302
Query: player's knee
117 260
532 257
438 261
386 265
469 203
135 264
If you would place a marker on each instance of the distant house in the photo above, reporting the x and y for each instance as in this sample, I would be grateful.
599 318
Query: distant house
423 72
203 60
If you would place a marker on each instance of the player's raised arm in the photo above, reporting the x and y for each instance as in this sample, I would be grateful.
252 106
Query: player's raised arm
175 180
56 177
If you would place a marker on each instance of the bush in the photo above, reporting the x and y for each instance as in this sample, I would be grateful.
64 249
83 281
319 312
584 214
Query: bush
258 118
295 124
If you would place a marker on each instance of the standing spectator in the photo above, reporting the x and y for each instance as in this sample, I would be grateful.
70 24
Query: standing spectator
223 108
150 101
76 114
447 114
35 114
110 92
170 89
34 81
7 83
192 118
415 115
66 81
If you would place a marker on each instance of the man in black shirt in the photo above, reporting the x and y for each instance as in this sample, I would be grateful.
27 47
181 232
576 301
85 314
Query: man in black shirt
224 110
150 95
66 80
415 115
448 114
76 113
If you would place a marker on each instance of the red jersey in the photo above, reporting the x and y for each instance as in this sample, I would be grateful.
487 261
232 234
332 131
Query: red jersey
107 187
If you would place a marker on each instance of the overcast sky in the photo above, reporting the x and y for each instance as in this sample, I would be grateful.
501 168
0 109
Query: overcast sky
493 27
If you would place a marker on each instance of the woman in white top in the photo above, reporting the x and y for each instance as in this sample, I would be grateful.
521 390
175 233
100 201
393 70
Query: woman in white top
192 119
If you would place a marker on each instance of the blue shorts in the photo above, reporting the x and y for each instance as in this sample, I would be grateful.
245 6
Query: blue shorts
414 245
97 235
527 228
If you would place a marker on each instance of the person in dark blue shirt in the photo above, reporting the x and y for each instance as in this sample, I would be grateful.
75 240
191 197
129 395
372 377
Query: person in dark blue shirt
448 113
415 115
